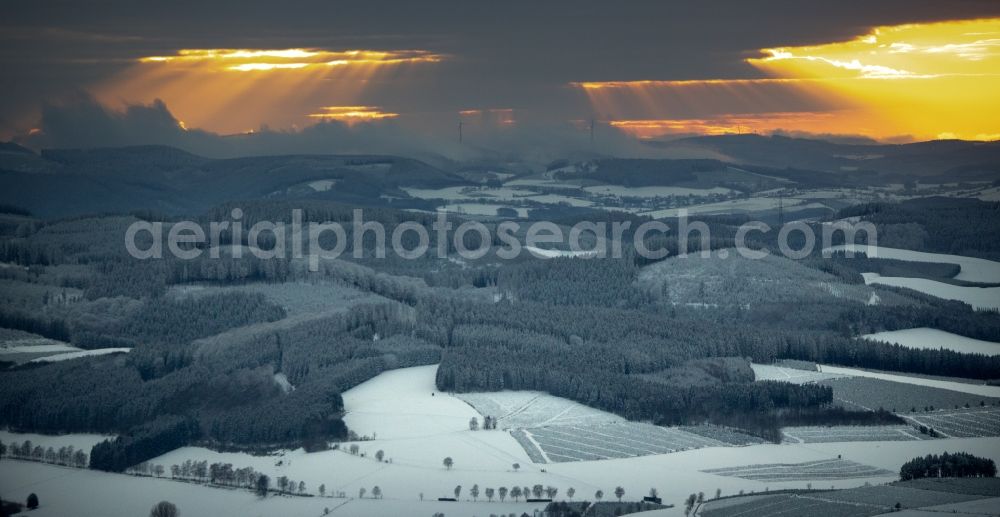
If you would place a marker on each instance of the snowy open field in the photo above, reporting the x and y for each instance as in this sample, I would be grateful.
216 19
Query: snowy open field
21 347
417 430
973 269
651 192
770 372
975 389
960 423
484 209
520 409
850 433
933 339
79 354
811 470
617 440
404 403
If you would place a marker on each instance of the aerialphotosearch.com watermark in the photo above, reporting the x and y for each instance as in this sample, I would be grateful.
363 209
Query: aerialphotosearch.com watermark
188 240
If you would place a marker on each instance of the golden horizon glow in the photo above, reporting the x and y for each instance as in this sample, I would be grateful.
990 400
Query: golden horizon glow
727 124
351 115
933 80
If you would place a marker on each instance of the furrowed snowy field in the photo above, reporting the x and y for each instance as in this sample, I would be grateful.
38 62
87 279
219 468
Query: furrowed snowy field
416 427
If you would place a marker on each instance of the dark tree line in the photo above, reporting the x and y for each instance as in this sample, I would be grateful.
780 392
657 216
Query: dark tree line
147 441
941 225
957 465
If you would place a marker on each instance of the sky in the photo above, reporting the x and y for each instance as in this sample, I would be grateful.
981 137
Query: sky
515 74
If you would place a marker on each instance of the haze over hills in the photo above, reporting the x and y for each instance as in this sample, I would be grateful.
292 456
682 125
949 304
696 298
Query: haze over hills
61 182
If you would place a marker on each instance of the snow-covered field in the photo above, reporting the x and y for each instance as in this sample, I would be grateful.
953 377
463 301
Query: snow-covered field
405 403
520 409
770 372
485 209
417 426
544 253
656 191
81 353
973 269
470 193
42 350
753 204
975 389
978 297
933 339
66 491
812 470
48 346
850 433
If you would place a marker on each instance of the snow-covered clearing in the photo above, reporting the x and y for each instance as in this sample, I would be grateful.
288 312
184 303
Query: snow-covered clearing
753 204
322 185
770 372
655 191
975 389
469 193
479 209
520 409
850 433
544 253
21 348
79 354
973 269
555 199
404 403
812 470
978 297
933 339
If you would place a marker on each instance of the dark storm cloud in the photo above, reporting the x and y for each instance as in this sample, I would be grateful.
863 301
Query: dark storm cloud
506 54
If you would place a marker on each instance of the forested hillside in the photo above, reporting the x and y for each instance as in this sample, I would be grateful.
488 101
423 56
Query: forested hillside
252 353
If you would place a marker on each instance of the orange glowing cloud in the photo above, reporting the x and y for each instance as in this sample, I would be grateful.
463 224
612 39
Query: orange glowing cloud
936 80
352 114
230 90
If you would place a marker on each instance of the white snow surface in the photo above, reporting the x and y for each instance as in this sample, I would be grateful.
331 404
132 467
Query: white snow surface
405 403
525 409
544 253
79 354
933 339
